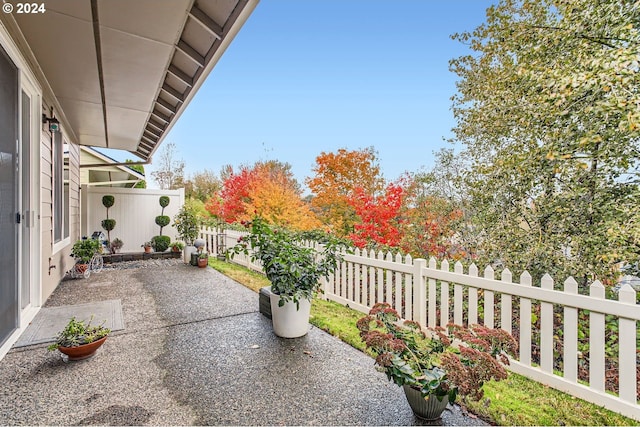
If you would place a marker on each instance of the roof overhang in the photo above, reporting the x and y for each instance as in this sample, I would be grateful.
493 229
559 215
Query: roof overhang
123 71
101 170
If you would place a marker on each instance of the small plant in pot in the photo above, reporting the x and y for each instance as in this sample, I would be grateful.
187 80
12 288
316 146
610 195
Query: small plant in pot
147 246
116 245
177 246
434 366
80 340
84 249
203 259
188 226
293 269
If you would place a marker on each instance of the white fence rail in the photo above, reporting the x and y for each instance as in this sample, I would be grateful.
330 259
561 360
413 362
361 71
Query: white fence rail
545 320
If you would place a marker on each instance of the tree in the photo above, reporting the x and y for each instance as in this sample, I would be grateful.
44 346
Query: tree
202 186
337 175
170 171
548 109
229 203
439 210
379 217
267 189
279 204
139 169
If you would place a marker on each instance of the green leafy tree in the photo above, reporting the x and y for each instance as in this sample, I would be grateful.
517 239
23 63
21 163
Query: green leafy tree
139 169
202 186
548 108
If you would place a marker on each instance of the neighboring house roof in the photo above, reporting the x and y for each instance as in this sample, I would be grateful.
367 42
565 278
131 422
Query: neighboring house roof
105 171
123 71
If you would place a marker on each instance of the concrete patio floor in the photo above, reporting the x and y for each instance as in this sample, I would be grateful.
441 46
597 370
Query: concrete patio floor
195 350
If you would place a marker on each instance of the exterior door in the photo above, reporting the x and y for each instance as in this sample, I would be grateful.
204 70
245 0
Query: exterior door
9 213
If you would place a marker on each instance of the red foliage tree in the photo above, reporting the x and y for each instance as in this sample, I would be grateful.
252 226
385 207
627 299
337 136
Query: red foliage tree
380 218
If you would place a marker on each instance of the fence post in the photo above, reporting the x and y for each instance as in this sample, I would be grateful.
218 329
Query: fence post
596 341
473 297
489 303
627 348
506 306
546 328
433 301
570 339
457 296
525 322
419 291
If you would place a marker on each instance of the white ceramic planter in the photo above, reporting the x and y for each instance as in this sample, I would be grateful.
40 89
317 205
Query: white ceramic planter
287 321
188 250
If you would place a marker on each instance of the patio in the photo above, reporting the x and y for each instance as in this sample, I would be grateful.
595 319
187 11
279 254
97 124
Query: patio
195 350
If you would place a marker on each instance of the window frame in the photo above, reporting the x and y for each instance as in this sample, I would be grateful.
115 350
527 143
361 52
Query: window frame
60 199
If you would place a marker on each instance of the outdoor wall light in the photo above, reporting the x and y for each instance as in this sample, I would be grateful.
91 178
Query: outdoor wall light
54 124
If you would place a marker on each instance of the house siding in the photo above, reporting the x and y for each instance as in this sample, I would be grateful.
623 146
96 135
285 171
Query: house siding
51 255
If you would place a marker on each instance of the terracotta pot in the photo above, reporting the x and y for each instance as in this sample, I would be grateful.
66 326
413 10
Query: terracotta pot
203 262
147 249
82 351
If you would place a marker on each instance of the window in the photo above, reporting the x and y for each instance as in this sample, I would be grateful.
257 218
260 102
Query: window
60 188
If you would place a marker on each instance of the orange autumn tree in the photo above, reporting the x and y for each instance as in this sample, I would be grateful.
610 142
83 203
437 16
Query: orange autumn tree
337 175
267 189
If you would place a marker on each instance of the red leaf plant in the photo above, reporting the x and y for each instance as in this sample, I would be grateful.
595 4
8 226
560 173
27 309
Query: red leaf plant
450 361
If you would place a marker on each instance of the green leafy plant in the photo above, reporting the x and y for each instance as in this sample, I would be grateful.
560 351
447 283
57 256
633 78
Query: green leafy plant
160 243
84 249
77 333
177 246
203 255
187 224
116 245
293 269
438 362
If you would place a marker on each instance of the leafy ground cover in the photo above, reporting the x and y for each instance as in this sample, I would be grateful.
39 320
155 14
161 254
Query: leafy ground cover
521 401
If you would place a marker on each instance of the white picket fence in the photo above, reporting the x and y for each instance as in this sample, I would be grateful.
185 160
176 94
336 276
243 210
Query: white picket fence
434 295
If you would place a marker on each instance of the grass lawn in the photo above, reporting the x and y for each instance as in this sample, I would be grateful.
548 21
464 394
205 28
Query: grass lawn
514 401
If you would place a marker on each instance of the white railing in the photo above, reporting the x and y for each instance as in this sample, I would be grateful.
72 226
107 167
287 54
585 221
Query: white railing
436 296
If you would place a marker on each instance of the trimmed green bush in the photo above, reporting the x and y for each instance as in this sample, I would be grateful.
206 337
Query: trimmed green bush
107 201
162 221
108 224
160 243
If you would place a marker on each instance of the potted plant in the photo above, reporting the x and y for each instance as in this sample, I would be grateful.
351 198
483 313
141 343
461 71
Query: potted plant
435 365
79 340
187 225
116 245
177 246
147 246
293 269
83 250
203 259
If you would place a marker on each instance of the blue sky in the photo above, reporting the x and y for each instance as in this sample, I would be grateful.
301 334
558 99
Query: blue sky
307 76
